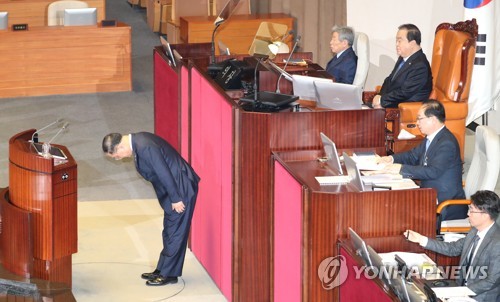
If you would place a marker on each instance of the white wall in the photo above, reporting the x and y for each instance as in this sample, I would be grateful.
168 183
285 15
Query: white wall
381 24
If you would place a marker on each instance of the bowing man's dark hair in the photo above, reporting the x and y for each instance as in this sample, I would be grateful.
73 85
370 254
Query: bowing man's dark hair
110 142
487 201
413 33
434 108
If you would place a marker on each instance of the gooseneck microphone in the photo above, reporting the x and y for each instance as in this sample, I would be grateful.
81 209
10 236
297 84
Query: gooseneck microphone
34 137
286 63
46 145
255 83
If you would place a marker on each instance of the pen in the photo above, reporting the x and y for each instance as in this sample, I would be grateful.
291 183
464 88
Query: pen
407 233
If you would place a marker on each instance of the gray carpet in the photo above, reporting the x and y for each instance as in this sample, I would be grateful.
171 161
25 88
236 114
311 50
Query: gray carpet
91 116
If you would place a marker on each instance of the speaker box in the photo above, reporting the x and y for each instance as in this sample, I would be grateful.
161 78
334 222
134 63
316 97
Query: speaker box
230 76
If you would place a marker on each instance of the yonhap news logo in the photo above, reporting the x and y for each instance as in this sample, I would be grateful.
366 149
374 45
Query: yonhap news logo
332 272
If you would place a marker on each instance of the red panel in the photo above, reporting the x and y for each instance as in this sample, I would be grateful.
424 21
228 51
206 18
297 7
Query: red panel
184 112
211 157
166 100
287 236
359 289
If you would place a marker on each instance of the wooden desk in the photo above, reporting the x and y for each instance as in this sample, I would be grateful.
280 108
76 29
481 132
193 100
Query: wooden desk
231 150
309 219
34 12
237 32
65 60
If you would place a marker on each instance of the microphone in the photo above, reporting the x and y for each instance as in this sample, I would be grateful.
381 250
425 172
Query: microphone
286 63
255 85
46 146
64 126
34 137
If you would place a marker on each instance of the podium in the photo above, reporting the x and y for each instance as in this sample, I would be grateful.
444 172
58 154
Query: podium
38 213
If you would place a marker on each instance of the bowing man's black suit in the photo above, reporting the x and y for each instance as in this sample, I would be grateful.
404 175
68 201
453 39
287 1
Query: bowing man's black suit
440 168
173 180
412 83
343 68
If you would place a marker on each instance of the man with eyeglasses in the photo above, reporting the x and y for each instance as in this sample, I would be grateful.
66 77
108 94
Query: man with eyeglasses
479 251
436 162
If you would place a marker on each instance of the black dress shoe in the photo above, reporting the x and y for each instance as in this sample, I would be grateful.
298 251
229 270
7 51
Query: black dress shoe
160 280
150 276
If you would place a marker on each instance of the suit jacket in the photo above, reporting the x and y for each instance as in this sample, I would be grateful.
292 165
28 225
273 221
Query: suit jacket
412 83
487 256
343 68
440 168
173 179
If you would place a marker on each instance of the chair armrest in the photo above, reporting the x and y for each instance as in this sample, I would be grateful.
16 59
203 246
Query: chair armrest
446 203
368 96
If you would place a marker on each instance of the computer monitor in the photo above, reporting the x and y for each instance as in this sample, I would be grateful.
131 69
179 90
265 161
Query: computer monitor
338 96
353 172
380 266
168 50
360 246
333 160
4 18
303 86
80 16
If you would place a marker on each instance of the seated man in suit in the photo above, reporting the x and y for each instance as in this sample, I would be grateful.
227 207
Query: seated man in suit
479 251
343 65
411 78
435 162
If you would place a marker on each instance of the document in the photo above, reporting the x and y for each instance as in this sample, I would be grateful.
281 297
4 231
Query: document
411 259
368 162
445 293
332 180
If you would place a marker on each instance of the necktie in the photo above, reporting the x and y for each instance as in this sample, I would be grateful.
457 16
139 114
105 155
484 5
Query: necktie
427 143
399 67
468 260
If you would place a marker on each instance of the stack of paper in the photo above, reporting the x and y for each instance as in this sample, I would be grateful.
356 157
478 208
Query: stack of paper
332 180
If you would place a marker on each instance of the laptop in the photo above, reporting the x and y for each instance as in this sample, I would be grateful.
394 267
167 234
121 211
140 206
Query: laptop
353 172
333 160
338 96
303 86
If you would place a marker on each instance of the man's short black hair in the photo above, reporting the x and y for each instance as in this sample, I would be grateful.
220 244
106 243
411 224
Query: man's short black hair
413 33
110 142
487 201
434 108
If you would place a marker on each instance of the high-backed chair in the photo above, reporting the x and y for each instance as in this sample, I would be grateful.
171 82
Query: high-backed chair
55 10
482 174
452 62
361 47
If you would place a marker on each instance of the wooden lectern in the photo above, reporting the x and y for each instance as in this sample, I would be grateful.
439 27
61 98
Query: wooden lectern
38 213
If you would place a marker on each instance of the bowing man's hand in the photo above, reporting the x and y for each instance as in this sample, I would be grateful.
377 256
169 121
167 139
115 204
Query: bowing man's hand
179 207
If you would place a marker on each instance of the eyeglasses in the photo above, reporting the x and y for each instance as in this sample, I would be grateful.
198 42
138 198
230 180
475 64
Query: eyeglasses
474 212
421 118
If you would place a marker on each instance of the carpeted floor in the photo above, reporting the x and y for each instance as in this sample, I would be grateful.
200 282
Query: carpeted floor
118 241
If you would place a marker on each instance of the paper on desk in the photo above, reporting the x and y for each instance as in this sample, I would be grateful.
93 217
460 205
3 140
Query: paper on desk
453 291
332 180
368 162
411 259
403 134
380 178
